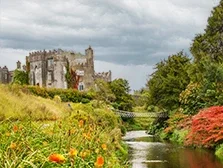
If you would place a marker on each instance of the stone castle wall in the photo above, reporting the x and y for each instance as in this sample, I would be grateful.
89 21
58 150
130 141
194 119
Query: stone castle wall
48 69
5 75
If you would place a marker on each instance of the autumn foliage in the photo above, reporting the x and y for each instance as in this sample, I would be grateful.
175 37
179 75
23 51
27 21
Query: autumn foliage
207 128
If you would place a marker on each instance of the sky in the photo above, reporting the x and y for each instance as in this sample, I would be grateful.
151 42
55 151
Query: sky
128 36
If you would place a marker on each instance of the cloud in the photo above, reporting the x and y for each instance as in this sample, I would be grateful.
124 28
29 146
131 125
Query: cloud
121 31
128 36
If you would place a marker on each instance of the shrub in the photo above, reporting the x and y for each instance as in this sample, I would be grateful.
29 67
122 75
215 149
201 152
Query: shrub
219 151
206 129
66 95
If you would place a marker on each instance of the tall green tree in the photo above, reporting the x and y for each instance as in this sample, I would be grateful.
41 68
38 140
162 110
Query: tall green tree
168 81
104 91
210 43
120 88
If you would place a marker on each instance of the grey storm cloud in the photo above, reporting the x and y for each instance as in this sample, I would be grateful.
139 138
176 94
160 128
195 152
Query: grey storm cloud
120 31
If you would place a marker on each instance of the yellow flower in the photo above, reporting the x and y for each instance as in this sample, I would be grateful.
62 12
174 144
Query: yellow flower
104 146
72 131
87 136
13 145
57 158
7 134
73 152
97 150
99 162
83 154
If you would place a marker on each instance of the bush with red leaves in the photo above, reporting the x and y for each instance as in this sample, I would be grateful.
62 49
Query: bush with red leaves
207 128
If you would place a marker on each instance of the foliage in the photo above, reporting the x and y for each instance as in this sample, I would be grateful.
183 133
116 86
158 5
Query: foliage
66 95
140 97
104 91
120 88
80 136
205 93
158 124
168 81
71 77
179 136
20 77
206 128
209 44
219 151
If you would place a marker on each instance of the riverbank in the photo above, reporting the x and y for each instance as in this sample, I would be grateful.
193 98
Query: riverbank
39 132
202 130
147 151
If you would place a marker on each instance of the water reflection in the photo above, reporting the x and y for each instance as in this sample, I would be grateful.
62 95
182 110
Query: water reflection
147 152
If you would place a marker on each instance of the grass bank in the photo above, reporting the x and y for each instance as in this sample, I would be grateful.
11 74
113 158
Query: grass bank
39 132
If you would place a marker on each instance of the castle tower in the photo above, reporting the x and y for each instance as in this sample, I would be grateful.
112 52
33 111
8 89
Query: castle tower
90 58
18 65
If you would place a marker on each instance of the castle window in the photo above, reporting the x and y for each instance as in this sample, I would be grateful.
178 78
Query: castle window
6 76
50 63
81 86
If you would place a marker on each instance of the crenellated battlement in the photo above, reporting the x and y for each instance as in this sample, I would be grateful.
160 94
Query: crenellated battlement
103 75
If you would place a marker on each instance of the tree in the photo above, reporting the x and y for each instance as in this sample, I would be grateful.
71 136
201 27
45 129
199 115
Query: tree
104 91
20 77
210 43
168 81
120 88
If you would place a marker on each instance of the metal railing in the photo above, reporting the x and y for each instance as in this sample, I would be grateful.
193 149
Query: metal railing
128 114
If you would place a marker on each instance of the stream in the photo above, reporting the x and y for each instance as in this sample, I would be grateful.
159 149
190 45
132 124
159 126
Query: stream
146 151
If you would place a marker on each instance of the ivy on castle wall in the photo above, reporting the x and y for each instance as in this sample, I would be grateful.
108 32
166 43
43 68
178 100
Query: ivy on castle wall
68 75
71 77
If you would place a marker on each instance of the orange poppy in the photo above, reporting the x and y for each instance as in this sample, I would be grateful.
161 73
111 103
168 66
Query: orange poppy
57 158
13 145
15 128
100 162
81 123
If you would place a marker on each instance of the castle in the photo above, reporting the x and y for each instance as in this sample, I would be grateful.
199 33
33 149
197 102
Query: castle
60 69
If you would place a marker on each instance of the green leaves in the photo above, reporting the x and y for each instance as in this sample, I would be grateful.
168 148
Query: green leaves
120 88
168 81
210 43
20 77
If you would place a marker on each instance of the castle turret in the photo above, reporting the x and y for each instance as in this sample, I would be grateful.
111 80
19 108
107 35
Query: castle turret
18 65
89 52
90 58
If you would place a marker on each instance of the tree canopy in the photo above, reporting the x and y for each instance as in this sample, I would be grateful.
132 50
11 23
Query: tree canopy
168 81
210 43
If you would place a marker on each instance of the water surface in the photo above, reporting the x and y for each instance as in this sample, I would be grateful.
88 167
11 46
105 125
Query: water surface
146 151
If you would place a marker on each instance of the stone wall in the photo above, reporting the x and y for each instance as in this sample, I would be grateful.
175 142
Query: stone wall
48 69
5 75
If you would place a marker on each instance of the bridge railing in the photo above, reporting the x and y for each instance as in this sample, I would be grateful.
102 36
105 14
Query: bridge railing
128 114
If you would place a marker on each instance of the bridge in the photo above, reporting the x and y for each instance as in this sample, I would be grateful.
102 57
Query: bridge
128 114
